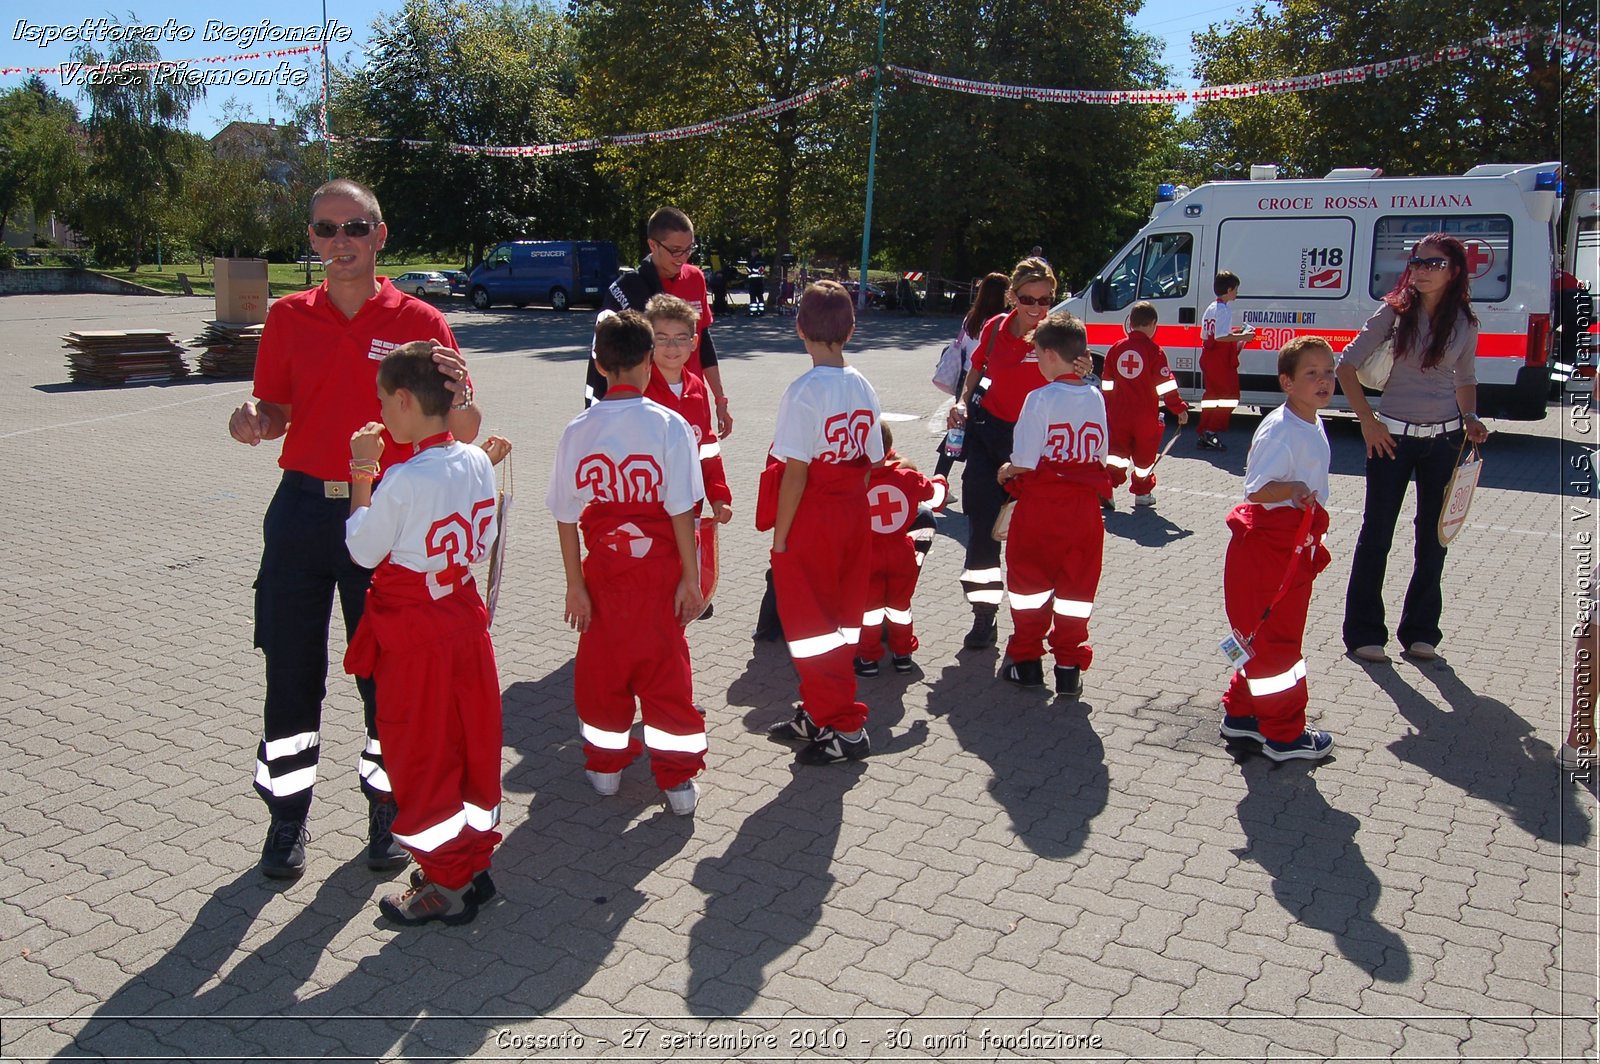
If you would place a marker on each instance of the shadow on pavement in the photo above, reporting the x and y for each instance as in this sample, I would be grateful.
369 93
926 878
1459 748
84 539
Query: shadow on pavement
1319 874
1483 748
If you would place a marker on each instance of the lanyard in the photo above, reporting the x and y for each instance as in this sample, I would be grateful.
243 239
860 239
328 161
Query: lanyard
1300 547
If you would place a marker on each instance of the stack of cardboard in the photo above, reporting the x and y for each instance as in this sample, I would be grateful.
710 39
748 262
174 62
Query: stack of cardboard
124 356
230 349
242 291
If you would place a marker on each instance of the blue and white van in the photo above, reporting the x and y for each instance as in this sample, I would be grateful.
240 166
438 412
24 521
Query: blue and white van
557 272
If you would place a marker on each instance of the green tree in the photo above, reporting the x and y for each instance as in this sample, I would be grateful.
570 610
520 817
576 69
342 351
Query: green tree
466 72
1523 104
137 147
40 151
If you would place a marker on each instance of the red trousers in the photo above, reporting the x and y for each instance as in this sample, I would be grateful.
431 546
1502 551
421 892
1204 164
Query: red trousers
438 719
634 655
1135 437
1271 686
1053 555
1219 366
890 585
821 585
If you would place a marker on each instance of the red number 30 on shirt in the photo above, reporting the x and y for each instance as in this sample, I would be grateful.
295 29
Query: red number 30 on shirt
637 478
848 435
1069 442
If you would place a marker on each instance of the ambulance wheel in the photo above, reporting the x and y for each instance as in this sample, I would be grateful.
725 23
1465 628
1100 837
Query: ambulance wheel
480 298
558 299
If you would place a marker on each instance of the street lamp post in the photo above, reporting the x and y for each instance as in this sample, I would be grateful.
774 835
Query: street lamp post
872 159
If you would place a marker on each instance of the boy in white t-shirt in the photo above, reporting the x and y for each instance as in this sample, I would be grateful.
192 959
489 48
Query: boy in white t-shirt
827 437
1220 341
627 474
424 637
1277 549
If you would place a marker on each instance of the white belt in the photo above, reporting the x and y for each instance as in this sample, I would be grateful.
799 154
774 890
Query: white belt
1413 428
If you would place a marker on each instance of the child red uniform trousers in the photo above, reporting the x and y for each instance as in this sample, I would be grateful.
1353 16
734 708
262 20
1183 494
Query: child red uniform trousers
1276 546
1137 381
424 640
1053 549
893 494
1219 367
829 419
623 468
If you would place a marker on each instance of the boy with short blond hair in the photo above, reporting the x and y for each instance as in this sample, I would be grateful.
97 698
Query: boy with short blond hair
1057 473
627 475
1275 553
827 437
1220 342
1136 382
424 637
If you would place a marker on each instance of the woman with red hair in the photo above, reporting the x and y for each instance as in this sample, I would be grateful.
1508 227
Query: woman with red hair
1429 401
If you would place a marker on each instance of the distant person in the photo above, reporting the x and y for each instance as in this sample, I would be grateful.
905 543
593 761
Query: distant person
827 439
1137 381
670 236
1429 402
1220 342
1275 553
627 476
424 637
1057 473
315 385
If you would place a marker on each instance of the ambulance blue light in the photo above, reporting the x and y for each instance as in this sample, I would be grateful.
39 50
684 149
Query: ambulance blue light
1167 193
1547 181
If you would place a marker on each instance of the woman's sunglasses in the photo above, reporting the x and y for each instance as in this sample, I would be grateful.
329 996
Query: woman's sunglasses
1034 301
1436 263
356 227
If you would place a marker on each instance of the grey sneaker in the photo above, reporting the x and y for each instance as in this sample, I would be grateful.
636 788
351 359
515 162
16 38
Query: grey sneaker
430 901
683 798
605 783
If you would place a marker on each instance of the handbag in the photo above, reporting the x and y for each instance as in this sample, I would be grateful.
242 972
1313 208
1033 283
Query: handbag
1458 493
948 372
1374 372
497 553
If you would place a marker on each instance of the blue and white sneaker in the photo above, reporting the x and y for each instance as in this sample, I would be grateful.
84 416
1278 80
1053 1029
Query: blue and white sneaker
1311 746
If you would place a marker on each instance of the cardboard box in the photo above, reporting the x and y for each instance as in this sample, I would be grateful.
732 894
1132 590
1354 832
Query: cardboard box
241 290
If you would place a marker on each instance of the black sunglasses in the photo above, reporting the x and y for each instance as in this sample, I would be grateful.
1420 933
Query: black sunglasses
1436 263
356 227
1035 301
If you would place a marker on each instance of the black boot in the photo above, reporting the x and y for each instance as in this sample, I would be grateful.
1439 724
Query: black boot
383 853
983 628
1024 673
283 855
1069 681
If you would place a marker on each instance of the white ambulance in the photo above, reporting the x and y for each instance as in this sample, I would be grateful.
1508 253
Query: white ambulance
1315 255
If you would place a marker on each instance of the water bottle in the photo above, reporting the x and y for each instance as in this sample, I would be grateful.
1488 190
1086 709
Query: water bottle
954 440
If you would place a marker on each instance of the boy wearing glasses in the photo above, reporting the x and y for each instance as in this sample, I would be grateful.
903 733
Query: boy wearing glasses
315 385
1220 341
670 236
680 389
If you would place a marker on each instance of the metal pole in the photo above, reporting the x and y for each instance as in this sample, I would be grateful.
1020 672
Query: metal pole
327 144
872 160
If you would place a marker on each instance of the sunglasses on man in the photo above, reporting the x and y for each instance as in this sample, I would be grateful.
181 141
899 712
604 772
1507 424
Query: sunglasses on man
355 228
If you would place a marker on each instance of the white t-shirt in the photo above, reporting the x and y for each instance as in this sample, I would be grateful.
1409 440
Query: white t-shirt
1285 447
434 511
1217 321
1063 422
625 450
829 414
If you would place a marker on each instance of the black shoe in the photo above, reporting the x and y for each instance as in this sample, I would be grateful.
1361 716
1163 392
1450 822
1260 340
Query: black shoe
706 613
479 891
903 663
383 853
983 632
1024 673
832 747
1210 441
802 729
283 856
1069 681
1241 728
864 667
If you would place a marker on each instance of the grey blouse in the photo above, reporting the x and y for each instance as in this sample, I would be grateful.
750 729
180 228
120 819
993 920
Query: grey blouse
1413 393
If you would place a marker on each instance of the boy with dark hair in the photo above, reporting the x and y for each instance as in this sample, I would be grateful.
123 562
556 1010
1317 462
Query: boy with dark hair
827 438
1057 472
1137 381
670 237
1275 553
627 473
424 637
1220 341
902 532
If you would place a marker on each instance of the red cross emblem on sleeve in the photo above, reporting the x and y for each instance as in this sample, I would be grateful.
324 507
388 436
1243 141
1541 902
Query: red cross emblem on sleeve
889 508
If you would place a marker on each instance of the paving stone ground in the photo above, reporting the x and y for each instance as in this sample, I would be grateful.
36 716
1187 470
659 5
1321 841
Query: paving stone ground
1008 876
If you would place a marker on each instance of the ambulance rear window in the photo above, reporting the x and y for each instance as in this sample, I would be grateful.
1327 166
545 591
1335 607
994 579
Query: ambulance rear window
1487 238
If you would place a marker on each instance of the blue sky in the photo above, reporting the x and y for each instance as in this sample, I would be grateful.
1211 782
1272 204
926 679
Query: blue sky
1172 20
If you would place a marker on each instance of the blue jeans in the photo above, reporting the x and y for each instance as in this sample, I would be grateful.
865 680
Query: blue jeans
1431 462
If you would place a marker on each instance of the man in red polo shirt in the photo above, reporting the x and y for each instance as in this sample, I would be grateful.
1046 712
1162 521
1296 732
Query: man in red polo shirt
315 385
